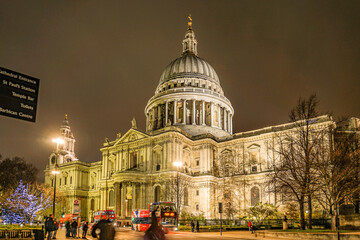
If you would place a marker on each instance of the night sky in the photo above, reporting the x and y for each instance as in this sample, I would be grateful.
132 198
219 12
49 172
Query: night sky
100 62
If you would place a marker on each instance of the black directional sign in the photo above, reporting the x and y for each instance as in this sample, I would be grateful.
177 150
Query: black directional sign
18 95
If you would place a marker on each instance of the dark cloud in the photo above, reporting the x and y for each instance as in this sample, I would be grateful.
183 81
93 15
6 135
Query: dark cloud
101 61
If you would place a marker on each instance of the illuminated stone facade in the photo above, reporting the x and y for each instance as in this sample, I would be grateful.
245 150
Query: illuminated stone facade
188 120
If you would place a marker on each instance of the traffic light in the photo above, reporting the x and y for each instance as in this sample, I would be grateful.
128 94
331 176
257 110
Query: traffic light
220 207
63 215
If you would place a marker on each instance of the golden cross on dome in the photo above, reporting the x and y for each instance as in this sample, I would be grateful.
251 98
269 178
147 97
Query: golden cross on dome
190 22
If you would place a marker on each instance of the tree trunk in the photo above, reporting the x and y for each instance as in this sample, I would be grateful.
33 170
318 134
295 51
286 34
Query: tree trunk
333 222
310 212
302 213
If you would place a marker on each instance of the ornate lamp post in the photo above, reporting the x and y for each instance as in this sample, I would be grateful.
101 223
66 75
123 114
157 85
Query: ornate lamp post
58 141
177 165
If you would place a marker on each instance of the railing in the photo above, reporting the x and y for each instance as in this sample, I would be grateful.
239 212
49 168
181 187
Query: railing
265 224
19 234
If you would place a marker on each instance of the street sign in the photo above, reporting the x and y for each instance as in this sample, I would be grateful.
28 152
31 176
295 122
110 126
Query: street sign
76 202
18 95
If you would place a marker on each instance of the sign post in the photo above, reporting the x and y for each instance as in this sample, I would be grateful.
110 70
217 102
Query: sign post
18 95
220 211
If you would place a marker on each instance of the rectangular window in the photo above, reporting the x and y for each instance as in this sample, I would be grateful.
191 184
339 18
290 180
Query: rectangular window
60 182
52 182
197 207
197 192
70 180
65 180
197 162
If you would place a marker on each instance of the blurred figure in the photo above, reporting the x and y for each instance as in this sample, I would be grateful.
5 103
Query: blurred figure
67 227
155 232
49 226
192 224
107 230
197 226
84 229
73 228
56 227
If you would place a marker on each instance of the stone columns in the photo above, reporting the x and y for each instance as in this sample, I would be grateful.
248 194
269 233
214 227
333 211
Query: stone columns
203 113
117 199
123 199
225 119
211 114
194 112
141 197
133 196
231 126
175 108
166 112
184 112
159 116
219 115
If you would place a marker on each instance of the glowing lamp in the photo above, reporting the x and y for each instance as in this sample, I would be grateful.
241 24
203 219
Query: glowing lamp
177 164
58 141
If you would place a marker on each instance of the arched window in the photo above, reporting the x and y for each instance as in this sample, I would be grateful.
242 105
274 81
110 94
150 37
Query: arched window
157 194
255 196
92 204
111 198
186 197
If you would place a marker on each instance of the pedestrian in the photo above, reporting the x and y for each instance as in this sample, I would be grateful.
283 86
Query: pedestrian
107 230
252 228
249 225
84 229
67 227
56 227
74 228
154 232
197 226
192 226
49 226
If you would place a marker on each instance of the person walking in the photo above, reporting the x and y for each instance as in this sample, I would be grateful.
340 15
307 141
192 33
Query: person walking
249 225
73 228
197 226
56 227
67 227
84 229
49 226
192 224
107 230
154 232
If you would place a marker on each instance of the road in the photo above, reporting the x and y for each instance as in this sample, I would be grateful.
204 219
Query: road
127 234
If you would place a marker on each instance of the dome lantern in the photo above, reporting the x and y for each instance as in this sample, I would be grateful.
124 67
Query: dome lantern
190 43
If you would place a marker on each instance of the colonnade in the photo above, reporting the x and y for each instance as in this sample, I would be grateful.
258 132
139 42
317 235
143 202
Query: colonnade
128 196
189 112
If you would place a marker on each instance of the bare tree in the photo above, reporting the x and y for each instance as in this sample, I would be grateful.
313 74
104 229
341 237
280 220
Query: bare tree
338 171
173 183
297 148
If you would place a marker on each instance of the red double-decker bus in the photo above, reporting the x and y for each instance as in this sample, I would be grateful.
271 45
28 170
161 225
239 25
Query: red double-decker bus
140 220
98 215
166 215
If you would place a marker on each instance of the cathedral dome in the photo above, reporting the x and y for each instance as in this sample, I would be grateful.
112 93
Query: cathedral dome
189 96
189 66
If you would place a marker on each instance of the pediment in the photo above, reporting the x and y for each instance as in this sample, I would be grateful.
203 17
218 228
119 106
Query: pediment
131 136
253 147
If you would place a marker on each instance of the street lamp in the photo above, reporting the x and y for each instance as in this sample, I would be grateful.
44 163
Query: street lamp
58 141
177 165
55 172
